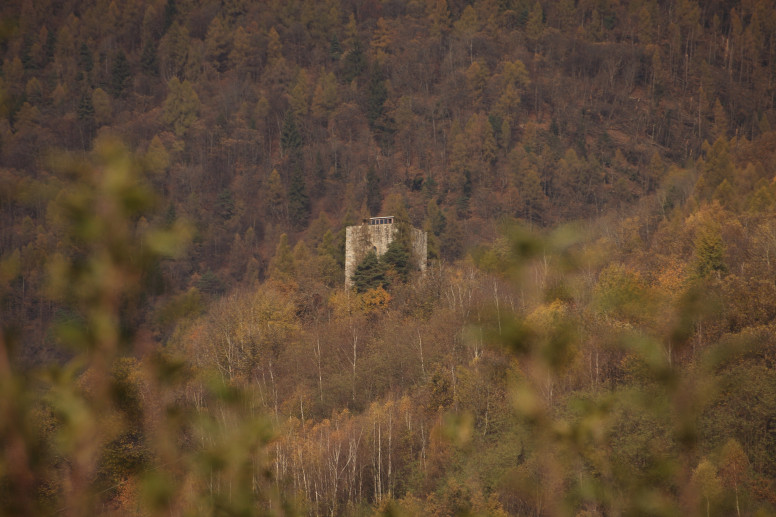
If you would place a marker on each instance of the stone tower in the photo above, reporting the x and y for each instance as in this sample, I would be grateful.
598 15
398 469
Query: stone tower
376 233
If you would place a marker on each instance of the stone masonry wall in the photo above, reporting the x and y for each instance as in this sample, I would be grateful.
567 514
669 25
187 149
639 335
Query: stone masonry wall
420 248
362 238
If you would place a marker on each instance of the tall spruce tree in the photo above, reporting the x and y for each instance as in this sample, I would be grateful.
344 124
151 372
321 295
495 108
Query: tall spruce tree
148 60
298 200
354 62
170 11
86 109
397 258
399 255
120 75
451 239
290 139
373 198
86 117
369 274
377 95
319 177
282 267
85 61
335 49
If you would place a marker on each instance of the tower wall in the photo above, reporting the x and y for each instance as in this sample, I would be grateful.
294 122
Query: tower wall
420 248
359 240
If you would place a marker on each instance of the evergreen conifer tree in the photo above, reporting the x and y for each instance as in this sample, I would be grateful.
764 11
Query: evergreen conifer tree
378 93
170 10
436 221
51 43
369 274
86 109
225 204
290 139
209 283
85 58
335 49
319 181
120 75
275 203
373 198
281 267
148 60
86 116
397 258
451 240
298 200
354 62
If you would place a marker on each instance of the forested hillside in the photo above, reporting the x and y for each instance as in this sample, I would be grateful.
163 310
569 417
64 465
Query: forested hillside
594 334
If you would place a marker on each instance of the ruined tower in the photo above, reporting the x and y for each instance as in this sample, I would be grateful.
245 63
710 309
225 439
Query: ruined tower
376 233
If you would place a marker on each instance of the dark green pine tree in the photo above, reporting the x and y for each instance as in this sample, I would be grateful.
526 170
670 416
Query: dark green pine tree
51 43
451 240
397 258
354 63
369 274
290 139
373 197
377 95
399 255
335 49
319 182
225 204
26 57
436 219
209 283
86 122
85 58
170 216
148 61
298 200
334 246
282 267
120 75
86 115
86 109
170 10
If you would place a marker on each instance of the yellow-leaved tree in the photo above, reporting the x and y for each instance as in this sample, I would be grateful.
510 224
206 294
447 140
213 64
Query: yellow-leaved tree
123 425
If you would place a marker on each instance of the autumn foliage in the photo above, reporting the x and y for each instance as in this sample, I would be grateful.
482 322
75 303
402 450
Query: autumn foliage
594 332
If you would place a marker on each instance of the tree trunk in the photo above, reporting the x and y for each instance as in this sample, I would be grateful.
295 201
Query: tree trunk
318 356
738 509
355 343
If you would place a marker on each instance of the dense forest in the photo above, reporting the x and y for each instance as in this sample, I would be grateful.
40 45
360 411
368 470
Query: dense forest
595 331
